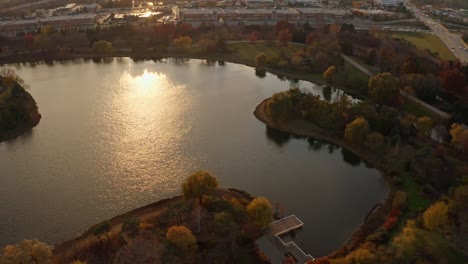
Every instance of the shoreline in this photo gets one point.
(357, 235)
(373, 219)
(31, 58)
(66, 248)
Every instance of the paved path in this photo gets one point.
(433, 109)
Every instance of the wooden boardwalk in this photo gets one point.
(273, 246)
(285, 225)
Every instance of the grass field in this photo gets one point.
(418, 110)
(425, 41)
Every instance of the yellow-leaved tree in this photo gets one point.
(260, 212)
(356, 131)
(436, 217)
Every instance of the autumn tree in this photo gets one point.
(383, 88)
(399, 200)
(224, 223)
(183, 42)
(103, 229)
(356, 131)
(261, 60)
(130, 227)
(453, 80)
(260, 212)
(253, 37)
(182, 237)
(459, 137)
(329, 74)
(28, 251)
(455, 131)
(102, 47)
(279, 107)
(436, 217)
(284, 36)
(198, 184)
(425, 125)
(296, 60)
(375, 140)
(78, 262)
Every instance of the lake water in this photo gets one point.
(118, 135)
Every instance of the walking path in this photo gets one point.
(433, 109)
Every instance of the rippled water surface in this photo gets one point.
(115, 136)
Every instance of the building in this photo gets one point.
(71, 22)
(321, 14)
(389, 2)
(198, 14)
(286, 14)
(14, 28)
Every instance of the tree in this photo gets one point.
(371, 58)
(225, 224)
(183, 42)
(463, 141)
(456, 131)
(329, 74)
(399, 200)
(260, 212)
(296, 60)
(375, 140)
(103, 229)
(260, 60)
(279, 107)
(253, 37)
(182, 238)
(78, 262)
(436, 217)
(102, 47)
(383, 88)
(465, 37)
(424, 125)
(130, 227)
(28, 251)
(356, 131)
(198, 184)
(284, 36)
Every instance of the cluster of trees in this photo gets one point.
(102, 47)
(219, 222)
(17, 107)
(28, 251)
(294, 104)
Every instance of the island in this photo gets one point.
(18, 109)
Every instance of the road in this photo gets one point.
(452, 41)
(29, 5)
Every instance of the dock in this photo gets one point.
(277, 250)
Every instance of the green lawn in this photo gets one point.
(415, 200)
(425, 41)
(418, 110)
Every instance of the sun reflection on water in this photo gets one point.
(148, 114)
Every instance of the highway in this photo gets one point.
(452, 41)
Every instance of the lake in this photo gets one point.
(120, 134)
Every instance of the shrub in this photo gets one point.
(399, 200)
(391, 222)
